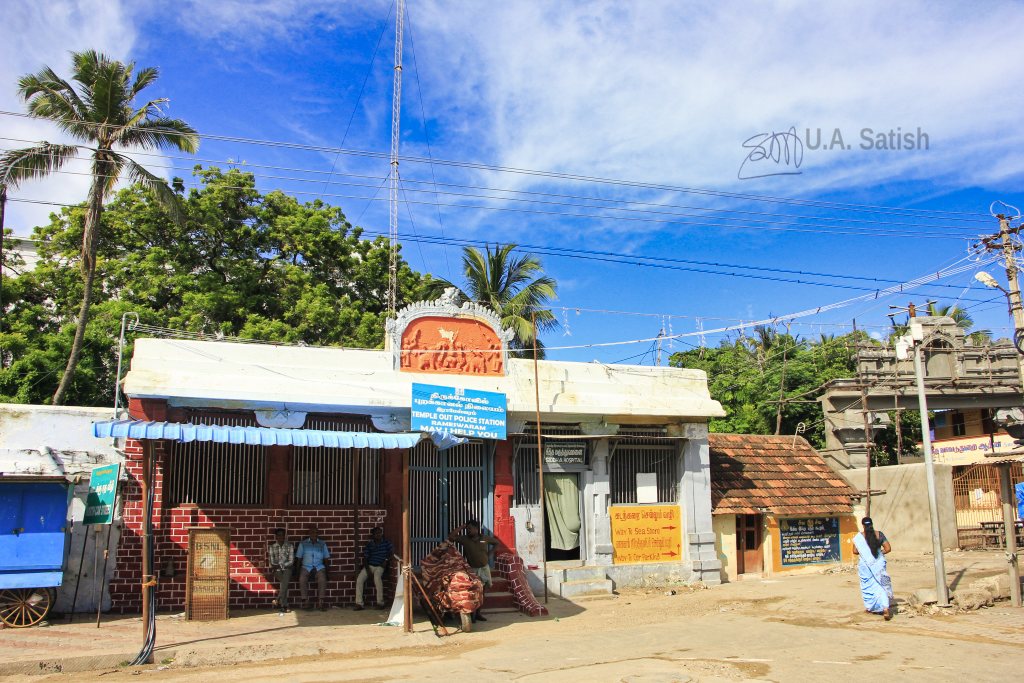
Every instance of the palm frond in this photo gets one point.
(160, 132)
(143, 79)
(18, 165)
(164, 194)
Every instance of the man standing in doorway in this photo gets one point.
(281, 558)
(477, 549)
(376, 558)
(314, 555)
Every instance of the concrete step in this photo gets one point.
(557, 565)
(571, 589)
(593, 573)
(498, 584)
(498, 599)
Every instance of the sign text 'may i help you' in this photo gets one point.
(478, 414)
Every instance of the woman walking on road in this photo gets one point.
(875, 585)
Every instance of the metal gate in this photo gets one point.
(977, 501)
(448, 488)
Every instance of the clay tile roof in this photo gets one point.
(752, 474)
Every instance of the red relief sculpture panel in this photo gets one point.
(451, 346)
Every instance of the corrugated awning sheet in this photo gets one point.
(253, 436)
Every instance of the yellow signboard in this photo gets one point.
(646, 533)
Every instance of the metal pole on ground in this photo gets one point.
(147, 540)
(106, 553)
(1010, 529)
(941, 589)
(540, 459)
(406, 548)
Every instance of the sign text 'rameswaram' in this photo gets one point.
(479, 414)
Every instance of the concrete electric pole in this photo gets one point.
(911, 344)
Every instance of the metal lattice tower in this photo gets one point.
(396, 106)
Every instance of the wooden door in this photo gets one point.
(749, 555)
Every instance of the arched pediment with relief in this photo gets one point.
(444, 337)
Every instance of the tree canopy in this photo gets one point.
(97, 107)
(241, 263)
(769, 383)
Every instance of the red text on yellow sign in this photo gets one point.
(646, 533)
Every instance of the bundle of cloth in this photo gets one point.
(450, 582)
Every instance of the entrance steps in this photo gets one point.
(572, 579)
(497, 597)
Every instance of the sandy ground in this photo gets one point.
(800, 628)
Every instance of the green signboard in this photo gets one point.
(99, 504)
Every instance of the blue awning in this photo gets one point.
(253, 436)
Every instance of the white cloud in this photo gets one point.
(43, 33)
(666, 92)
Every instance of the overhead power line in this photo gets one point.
(774, 226)
(668, 263)
(553, 175)
(249, 166)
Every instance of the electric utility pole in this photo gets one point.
(1003, 241)
(912, 343)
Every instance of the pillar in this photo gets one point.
(504, 525)
(696, 488)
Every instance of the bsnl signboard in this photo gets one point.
(476, 414)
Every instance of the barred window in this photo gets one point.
(525, 466)
(647, 452)
(208, 473)
(336, 476)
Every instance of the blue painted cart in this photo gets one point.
(33, 531)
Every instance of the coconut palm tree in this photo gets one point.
(98, 108)
(512, 286)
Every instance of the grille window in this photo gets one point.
(208, 473)
(645, 452)
(525, 469)
(335, 476)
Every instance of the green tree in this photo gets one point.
(242, 264)
(769, 382)
(512, 286)
(98, 108)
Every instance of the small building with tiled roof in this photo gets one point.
(776, 505)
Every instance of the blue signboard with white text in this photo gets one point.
(477, 414)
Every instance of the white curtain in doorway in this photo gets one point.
(562, 499)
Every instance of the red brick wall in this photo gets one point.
(345, 531)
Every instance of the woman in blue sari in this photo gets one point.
(875, 585)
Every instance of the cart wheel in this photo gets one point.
(22, 607)
(467, 622)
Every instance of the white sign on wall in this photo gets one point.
(646, 487)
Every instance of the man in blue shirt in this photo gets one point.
(313, 554)
(376, 557)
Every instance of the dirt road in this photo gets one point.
(803, 628)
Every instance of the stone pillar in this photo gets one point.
(504, 525)
(696, 504)
(391, 495)
(601, 549)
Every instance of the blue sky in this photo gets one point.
(662, 95)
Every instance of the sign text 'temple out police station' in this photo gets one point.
(479, 414)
